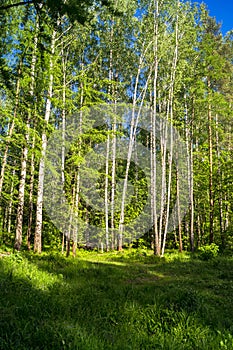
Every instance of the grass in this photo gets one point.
(129, 300)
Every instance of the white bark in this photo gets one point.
(39, 204)
(153, 137)
(31, 189)
(113, 172)
(11, 201)
(133, 127)
(106, 194)
(170, 112)
(20, 209)
(11, 129)
(19, 218)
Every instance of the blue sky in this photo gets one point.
(222, 10)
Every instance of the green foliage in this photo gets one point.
(227, 341)
(101, 301)
(208, 252)
(105, 52)
(141, 243)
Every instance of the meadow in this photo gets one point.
(118, 300)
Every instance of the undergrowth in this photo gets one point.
(116, 300)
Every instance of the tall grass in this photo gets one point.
(128, 300)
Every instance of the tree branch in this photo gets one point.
(5, 7)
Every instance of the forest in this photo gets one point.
(146, 86)
(116, 150)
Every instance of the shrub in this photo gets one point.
(140, 243)
(208, 251)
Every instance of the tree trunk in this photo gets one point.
(211, 195)
(106, 195)
(132, 138)
(189, 150)
(39, 204)
(11, 129)
(113, 173)
(19, 218)
(11, 201)
(191, 188)
(170, 112)
(31, 189)
(220, 194)
(178, 206)
(156, 244)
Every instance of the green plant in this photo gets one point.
(101, 301)
(208, 251)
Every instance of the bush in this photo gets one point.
(140, 243)
(208, 251)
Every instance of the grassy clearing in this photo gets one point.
(129, 300)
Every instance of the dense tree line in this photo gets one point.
(64, 58)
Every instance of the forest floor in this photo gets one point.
(116, 301)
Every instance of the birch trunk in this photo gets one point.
(19, 219)
(106, 195)
(113, 172)
(191, 187)
(72, 209)
(39, 204)
(133, 128)
(106, 202)
(75, 233)
(153, 136)
(220, 195)
(63, 132)
(11, 129)
(211, 195)
(170, 111)
(11, 201)
(189, 153)
(178, 206)
(31, 189)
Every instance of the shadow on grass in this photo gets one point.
(49, 302)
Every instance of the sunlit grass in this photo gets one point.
(116, 300)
